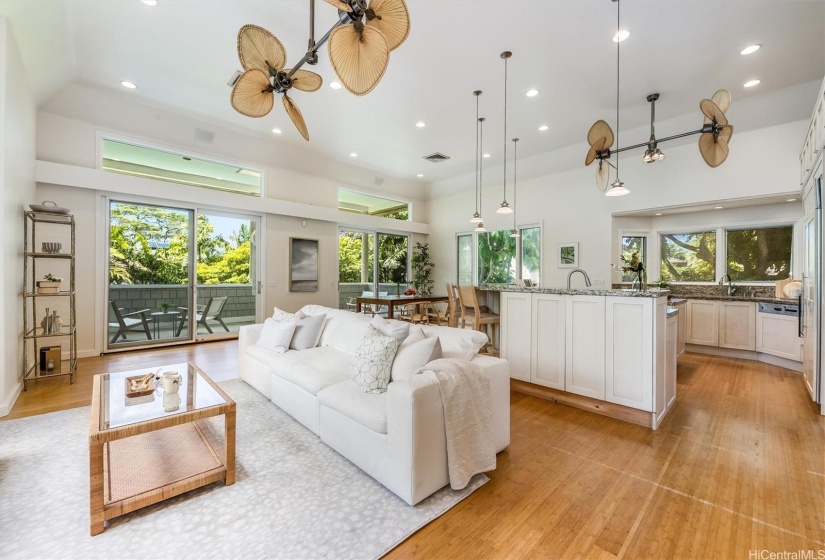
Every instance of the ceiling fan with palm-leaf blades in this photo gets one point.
(359, 46)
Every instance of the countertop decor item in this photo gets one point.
(48, 207)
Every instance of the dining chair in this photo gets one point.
(126, 322)
(414, 312)
(209, 312)
(480, 316)
(452, 305)
(438, 313)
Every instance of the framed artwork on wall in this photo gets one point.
(303, 265)
(567, 255)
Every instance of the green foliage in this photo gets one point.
(422, 269)
(759, 255)
(392, 257)
(531, 254)
(465, 259)
(496, 257)
(689, 257)
(632, 245)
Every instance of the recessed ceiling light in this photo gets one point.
(791, 200)
(751, 83)
(532, 92)
(353, 154)
(658, 213)
(420, 175)
(420, 124)
(750, 49)
(718, 207)
(335, 85)
(150, 2)
(128, 85)
(621, 35)
(543, 127)
(486, 155)
(276, 131)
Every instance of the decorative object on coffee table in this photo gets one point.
(48, 219)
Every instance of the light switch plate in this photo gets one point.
(272, 284)
(598, 281)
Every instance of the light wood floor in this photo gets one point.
(738, 465)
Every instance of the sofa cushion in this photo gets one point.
(279, 362)
(396, 329)
(347, 398)
(318, 370)
(307, 332)
(276, 336)
(412, 357)
(373, 361)
(343, 330)
(457, 343)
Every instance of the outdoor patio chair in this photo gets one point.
(209, 312)
(128, 322)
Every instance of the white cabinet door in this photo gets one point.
(682, 325)
(702, 322)
(516, 319)
(584, 356)
(671, 351)
(548, 341)
(737, 325)
(778, 335)
(629, 352)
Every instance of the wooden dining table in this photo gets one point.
(392, 301)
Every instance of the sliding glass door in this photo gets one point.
(371, 262)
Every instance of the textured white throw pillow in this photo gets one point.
(307, 332)
(276, 336)
(373, 361)
(281, 316)
(396, 329)
(412, 357)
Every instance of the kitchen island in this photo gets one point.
(601, 350)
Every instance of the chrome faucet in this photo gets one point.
(586, 277)
(730, 283)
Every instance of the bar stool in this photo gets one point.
(480, 316)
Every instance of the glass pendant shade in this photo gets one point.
(504, 208)
(476, 219)
(515, 234)
(617, 189)
(658, 155)
(480, 228)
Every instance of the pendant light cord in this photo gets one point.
(618, 74)
(480, 163)
(477, 149)
(515, 180)
(505, 130)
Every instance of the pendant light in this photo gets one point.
(617, 188)
(653, 153)
(476, 219)
(480, 228)
(515, 233)
(505, 207)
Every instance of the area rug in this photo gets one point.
(294, 497)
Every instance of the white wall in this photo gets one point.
(762, 163)
(17, 156)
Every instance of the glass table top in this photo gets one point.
(116, 409)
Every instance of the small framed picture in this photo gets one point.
(568, 255)
(303, 265)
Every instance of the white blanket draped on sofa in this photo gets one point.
(465, 396)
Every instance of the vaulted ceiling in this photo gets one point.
(182, 53)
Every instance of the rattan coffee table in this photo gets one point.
(144, 450)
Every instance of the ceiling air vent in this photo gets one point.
(204, 136)
(436, 157)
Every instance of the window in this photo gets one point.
(531, 254)
(360, 203)
(166, 165)
(689, 257)
(633, 244)
(496, 257)
(465, 258)
(759, 255)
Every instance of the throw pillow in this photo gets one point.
(416, 335)
(276, 336)
(373, 361)
(396, 329)
(281, 316)
(412, 357)
(307, 332)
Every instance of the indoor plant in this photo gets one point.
(422, 269)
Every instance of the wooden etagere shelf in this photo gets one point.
(34, 335)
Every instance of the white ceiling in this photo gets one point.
(182, 53)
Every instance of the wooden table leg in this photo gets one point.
(229, 446)
(97, 522)
(357, 306)
(389, 309)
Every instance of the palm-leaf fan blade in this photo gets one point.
(714, 151)
(713, 112)
(392, 19)
(359, 59)
(258, 48)
(597, 146)
(722, 100)
(305, 80)
(251, 95)
(600, 129)
(343, 6)
(602, 174)
(726, 133)
(296, 116)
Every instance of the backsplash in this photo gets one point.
(688, 290)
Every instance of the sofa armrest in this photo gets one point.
(247, 336)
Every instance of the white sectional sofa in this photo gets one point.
(397, 437)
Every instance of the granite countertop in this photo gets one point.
(671, 311)
(574, 292)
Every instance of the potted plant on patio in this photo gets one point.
(166, 306)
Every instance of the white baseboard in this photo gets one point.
(5, 408)
(745, 355)
(87, 353)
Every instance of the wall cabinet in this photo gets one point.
(702, 322)
(584, 344)
(737, 325)
(778, 335)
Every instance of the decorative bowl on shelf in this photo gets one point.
(49, 207)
